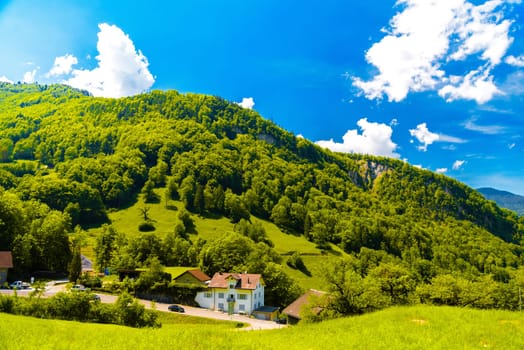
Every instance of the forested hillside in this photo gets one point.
(69, 159)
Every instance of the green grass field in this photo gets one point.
(420, 327)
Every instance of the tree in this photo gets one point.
(235, 207)
(6, 150)
(227, 254)
(12, 219)
(350, 293)
(395, 281)
(281, 290)
(105, 247)
(199, 202)
(148, 191)
(53, 239)
(172, 189)
(185, 218)
(75, 266)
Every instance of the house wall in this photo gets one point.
(189, 279)
(3, 276)
(245, 300)
(204, 301)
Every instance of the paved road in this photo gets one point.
(254, 324)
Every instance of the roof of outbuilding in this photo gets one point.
(267, 308)
(295, 307)
(243, 280)
(199, 275)
(6, 260)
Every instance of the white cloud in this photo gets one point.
(442, 170)
(4, 79)
(426, 137)
(458, 164)
(484, 129)
(482, 30)
(515, 61)
(63, 65)
(247, 103)
(451, 139)
(426, 36)
(375, 139)
(121, 71)
(514, 83)
(29, 77)
(477, 85)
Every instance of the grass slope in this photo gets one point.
(209, 228)
(419, 327)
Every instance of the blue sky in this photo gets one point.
(439, 84)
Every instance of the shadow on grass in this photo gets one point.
(171, 207)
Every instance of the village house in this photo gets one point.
(241, 293)
(307, 300)
(193, 277)
(6, 262)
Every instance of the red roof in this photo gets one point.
(242, 280)
(199, 275)
(295, 307)
(6, 260)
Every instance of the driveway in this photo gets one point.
(254, 324)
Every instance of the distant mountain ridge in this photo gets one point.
(504, 199)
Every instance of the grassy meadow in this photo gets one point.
(209, 228)
(421, 327)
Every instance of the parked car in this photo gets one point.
(78, 288)
(20, 285)
(95, 297)
(176, 308)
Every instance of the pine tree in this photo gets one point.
(75, 266)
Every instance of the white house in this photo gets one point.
(233, 292)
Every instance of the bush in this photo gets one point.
(91, 281)
(146, 226)
(6, 304)
(296, 262)
(81, 306)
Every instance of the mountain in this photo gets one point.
(187, 163)
(504, 199)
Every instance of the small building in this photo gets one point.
(268, 313)
(194, 277)
(293, 310)
(233, 292)
(6, 263)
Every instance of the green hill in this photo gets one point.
(395, 328)
(197, 181)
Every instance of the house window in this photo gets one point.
(208, 295)
(220, 295)
(255, 297)
(221, 306)
(241, 307)
(231, 285)
(242, 296)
